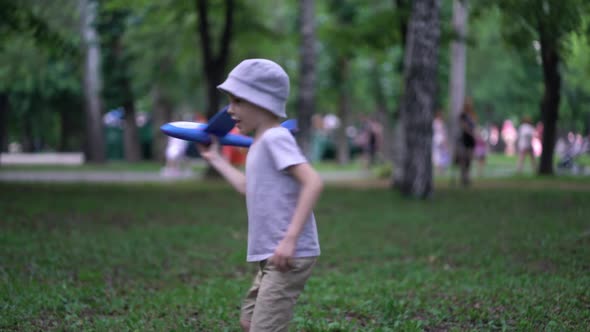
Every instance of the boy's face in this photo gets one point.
(245, 114)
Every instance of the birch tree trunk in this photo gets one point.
(306, 100)
(420, 75)
(457, 75)
(95, 145)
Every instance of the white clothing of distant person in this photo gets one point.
(526, 132)
(175, 148)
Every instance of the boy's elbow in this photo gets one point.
(242, 189)
(319, 183)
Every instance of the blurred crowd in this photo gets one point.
(467, 151)
(474, 141)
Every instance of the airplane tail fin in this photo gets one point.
(290, 124)
(221, 123)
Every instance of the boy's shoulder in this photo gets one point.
(278, 133)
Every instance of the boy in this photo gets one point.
(281, 189)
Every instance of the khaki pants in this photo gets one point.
(269, 302)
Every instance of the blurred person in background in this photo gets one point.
(480, 152)
(509, 136)
(526, 134)
(466, 141)
(440, 145)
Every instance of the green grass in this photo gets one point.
(146, 166)
(497, 165)
(172, 258)
(149, 166)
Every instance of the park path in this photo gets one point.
(141, 177)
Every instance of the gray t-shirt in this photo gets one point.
(272, 195)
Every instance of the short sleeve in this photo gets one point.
(284, 149)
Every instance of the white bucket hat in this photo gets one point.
(262, 82)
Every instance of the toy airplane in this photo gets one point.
(220, 125)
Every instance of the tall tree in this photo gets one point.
(214, 65)
(118, 90)
(169, 74)
(4, 105)
(162, 113)
(342, 46)
(399, 149)
(419, 100)
(382, 45)
(458, 65)
(95, 145)
(546, 23)
(306, 98)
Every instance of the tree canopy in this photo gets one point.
(159, 47)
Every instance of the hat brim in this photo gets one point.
(255, 96)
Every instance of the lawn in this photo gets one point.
(171, 257)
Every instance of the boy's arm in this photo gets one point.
(234, 176)
(311, 187)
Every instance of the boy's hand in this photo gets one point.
(283, 254)
(211, 151)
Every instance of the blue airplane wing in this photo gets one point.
(221, 123)
(189, 131)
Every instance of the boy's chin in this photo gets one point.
(244, 130)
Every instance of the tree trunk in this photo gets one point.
(95, 145)
(420, 74)
(306, 100)
(28, 137)
(162, 114)
(398, 137)
(4, 109)
(342, 146)
(71, 119)
(383, 115)
(551, 98)
(131, 144)
(457, 75)
(214, 65)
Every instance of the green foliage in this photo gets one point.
(25, 18)
(38, 96)
(524, 18)
(562, 24)
(40, 71)
(508, 255)
(40, 61)
(576, 109)
(160, 41)
(502, 81)
(111, 27)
